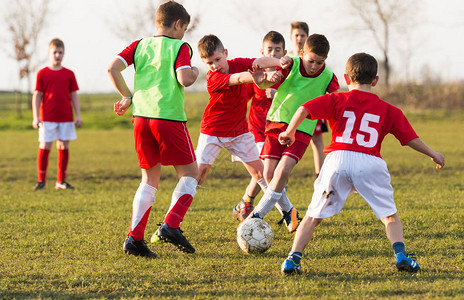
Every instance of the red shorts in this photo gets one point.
(162, 141)
(274, 150)
(321, 127)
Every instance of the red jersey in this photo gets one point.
(225, 114)
(56, 86)
(259, 107)
(359, 121)
(183, 60)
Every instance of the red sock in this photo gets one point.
(42, 163)
(138, 232)
(178, 211)
(62, 164)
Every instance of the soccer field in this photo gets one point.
(68, 244)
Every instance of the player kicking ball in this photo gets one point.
(359, 121)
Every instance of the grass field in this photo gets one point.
(68, 244)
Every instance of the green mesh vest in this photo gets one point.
(157, 93)
(295, 91)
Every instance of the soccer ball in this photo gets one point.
(254, 236)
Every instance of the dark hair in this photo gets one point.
(169, 12)
(318, 44)
(57, 43)
(361, 68)
(300, 25)
(208, 44)
(274, 37)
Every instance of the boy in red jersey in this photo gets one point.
(298, 34)
(302, 78)
(224, 124)
(53, 101)
(359, 121)
(162, 70)
(273, 46)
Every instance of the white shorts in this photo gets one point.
(51, 131)
(242, 146)
(344, 172)
(259, 146)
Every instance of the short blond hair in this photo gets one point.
(57, 43)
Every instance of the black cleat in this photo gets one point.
(63, 185)
(39, 186)
(137, 248)
(174, 236)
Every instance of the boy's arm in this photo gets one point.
(288, 136)
(418, 145)
(240, 78)
(114, 71)
(77, 108)
(36, 101)
(187, 76)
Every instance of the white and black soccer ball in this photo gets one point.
(254, 236)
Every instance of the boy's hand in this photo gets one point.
(122, 106)
(78, 122)
(439, 159)
(36, 123)
(270, 93)
(286, 138)
(286, 62)
(258, 75)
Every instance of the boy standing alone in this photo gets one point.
(54, 99)
(162, 70)
(359, 121)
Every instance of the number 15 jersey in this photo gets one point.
(359, 121)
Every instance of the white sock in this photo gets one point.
(143, 200)
(262, 183)
(267, 202)
(284, 204)
(186, 185)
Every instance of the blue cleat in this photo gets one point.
(289, 267)
(407, 263)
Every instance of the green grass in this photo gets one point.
(68, 244)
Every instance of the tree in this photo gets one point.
(140, 22)
(382, 18)
(25, 20)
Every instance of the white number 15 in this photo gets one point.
(364, 127)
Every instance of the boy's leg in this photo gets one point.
(141, 207)
(394, 229)
(317, 144)
(182, 197)
(203, 170)
(62, 164)
(42, 164)
(208, 149)
(257, 183)
(303, 235)
(274, 191)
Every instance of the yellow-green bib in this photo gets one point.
(157, 93)
(295, 91)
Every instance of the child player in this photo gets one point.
(53, 102)
(303, 78)
(224, 124)
(298, 34)
(359, 121)
(162, 70)
(273, 46)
